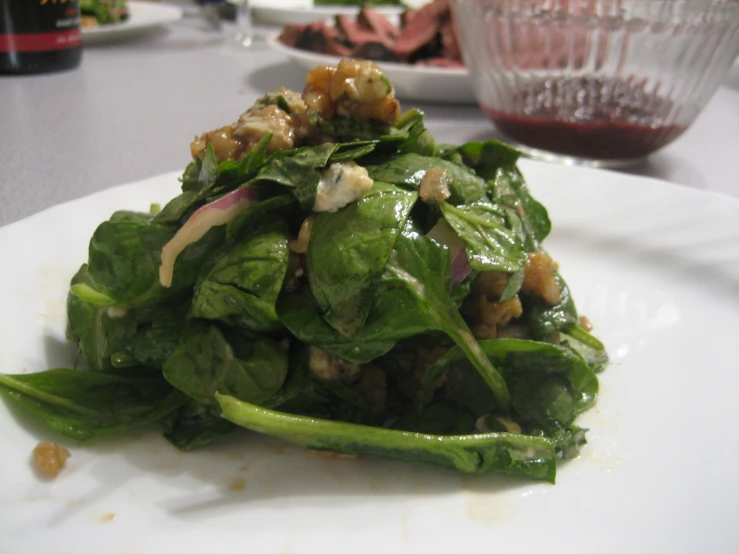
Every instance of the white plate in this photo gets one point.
(412, 82)
(143, 16)
(654, 266)
(284, 12)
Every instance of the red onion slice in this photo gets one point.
(443, 233)
(218, 212)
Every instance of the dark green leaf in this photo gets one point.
(83, 405)
(276, 207)
(298, 170)
(417, 266)
(352, 151)
(510, 189)
(543, 319)
(206, 362)
(348, 250)
(97, 334)
(587, 346)
(159, 332)
(441, 418)
(125, 255)
(242, 285)
(549, 384)
(519, 455)
(197, 424)
(407, 170)
(490, 245)
(488, 157)
(348, 130)
(302, 315)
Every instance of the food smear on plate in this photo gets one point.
(94, 13)
(425, 36)
(332, 276)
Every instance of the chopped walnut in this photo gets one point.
(355, 89)
(256, 123)
(317, 92)
(50, 458)
(490, 284)
(275, 113)
(487, 317)
(585, 323)
(434, 187)
(224, 145)
(539, 277)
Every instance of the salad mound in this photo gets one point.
(332, 276)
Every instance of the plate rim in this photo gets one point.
(281, 15)
(168, 14)
(272, 39)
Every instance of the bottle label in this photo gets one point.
(39, 25)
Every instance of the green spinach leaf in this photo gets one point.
(83, 405)
(196, 424)
(348, 251)
(407, 171)
(490, 245)
(488, 157)
(298, 170)
(511, 190)
(208, 360)
(417, 266)
(243, 283)
(302, 315)
(97, 334)
(125, 255)
(543, 319)
(159, 331)
(525, 456)
(549, 384)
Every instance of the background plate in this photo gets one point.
(412, 82)
(144, 16)
(654, 266)
(270, 12)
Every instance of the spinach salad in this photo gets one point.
(332, 276)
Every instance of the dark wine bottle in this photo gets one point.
(38, 36)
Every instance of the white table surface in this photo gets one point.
(131, 109)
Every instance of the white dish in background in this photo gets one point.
(266, 12)
(654, 266)
(417, 83)
(283, 12)
(143, 16)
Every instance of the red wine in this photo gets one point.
(37, 36)
(588, 118)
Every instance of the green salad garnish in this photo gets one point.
(103, 12)
(332, 276)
